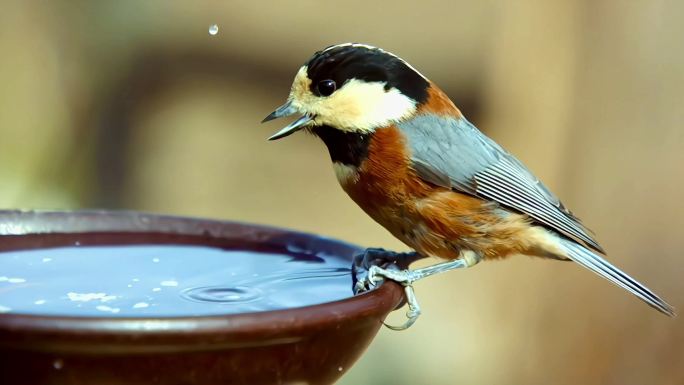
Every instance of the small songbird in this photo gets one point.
(407, 156)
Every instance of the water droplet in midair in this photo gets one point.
(58, 364)
(213, 29)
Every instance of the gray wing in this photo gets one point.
(453, 153)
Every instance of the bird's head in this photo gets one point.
(352, 88)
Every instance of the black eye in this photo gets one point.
(326, 87)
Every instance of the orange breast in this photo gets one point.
(431, 219)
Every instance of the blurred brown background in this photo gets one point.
(132, 104)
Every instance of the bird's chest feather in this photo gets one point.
(374, 170)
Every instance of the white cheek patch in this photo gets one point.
(356, 106)
(361, 106)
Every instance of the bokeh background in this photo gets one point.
(133, 105)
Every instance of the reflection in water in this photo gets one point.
(164, 280)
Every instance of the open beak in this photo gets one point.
(288, 109)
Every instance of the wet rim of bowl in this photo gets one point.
(274, 325)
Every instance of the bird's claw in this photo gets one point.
(374, 259)
(412, 313)
(378, 274)
(374, 266)
(368, 279)
(362, 265)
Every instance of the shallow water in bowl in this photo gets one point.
(165, 280)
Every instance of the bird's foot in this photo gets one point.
(375, 265)
(404, 277)
(368, 274)
(378, 258)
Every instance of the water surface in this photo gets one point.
(165, 280)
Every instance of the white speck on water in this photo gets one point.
(135, 280)
(85, 297)
(141, 305)
(107, 308)
(169, 283)
(213, 29)
(5, 309)
(16, 280)
(58, 364)
(47, 259)
(129, 285)
(155, 260)
(157, 289)
(40, 302)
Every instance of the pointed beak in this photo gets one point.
(285, 110)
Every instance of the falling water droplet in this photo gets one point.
(213, 29)
(58, 364)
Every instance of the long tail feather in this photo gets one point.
(600, 266)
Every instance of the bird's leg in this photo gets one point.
(374, 257)
(406, 277)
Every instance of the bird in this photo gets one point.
(403, 151)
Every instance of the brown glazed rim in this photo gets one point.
(180, 333)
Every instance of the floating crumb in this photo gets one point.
(157, 289)
(168, 283)
(155, 260)
(40, 302)
(141, 305)
(47, 259)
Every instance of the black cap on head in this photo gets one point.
(354, 61)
